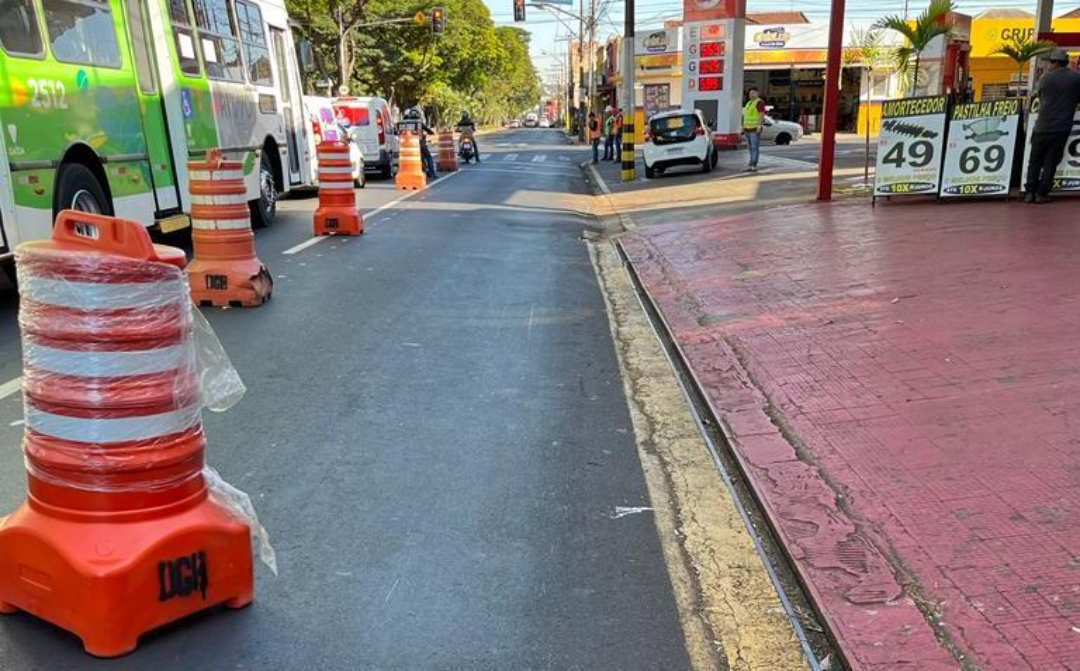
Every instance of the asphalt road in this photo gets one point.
(437, 439)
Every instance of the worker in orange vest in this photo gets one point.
(594, 136)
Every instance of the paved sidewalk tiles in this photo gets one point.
(902, 388)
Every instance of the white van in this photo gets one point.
(370, 123)
(321, 118)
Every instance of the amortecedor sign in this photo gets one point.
(980, 149)
(910, 147)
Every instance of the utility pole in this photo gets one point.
(592, 54)
(629, 104)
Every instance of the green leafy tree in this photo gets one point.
(927, 27)
(1022, 50)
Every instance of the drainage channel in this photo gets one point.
(817, 645)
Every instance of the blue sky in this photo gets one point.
(546, 29)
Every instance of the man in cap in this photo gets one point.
(1058, 91)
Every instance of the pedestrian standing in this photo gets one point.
(593, 125)
(1058, 92)
(609, 139)
(616, 140)
(753, 117)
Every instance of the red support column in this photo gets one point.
(832, 101)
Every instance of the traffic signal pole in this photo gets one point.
(832, 101)
(629, 99)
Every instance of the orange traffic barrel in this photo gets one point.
(118, 535)
(410, 175)
(225, 272)
(337, 213)
(447, 156)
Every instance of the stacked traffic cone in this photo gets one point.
(447, 155)
(118, 535)
(337, 213)
(410, 175)
(225, 270)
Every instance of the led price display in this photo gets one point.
(712, 49)
(709, 84)
(711, 67)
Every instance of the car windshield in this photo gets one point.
(356, 116)
(674, 128)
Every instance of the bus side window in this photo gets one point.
(185, 38)
(217, 38)
(19, 32)
(254, 38)
(82, 32)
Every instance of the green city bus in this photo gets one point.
(103, 102)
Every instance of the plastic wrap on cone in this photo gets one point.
(119, 534)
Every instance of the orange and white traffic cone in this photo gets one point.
(410, 175)
(118, 535)
(447, 155)
(225, 272)
(337, 213)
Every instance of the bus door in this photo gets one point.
(289, 101)
(152, 108)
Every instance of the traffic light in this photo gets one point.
(438, 20)
(519, 10)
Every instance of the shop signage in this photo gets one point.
(655, 43)
(910, 146)
(657, 99)
(1067, 178)
(771, 38)
(980, 149)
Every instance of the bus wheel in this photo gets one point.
(264, 209)
(78, 189)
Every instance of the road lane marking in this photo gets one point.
(539, 158)
(311, 242)
(10, 387)
(510, 157)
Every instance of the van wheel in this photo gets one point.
(78, 189)
(264, 209)
(783, 138)
(387, 171)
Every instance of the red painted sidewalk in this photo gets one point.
(902, 387)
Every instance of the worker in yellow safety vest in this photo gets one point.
(753, 117)
(594, 136)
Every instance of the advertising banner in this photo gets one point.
(980, 149)
(1067, 178)
(910, 146)
(657, 99)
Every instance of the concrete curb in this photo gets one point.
(615, 221)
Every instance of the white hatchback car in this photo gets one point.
(678, 138)
(778, 131)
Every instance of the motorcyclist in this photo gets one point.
(414, 121)
(467, 128)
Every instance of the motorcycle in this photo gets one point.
(466, 149)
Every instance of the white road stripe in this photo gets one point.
(510, 157)
(539, 158)
(367, 215)
(10, 387)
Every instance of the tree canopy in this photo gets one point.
(473, 65)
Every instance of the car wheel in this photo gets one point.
(387, 171)
(264, 209)
(783, 138)
(78, 189)
(715, 158)
(649, 172)
(707, 164)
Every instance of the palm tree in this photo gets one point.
(1021, 50)
(930, 25)
(870, 51)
